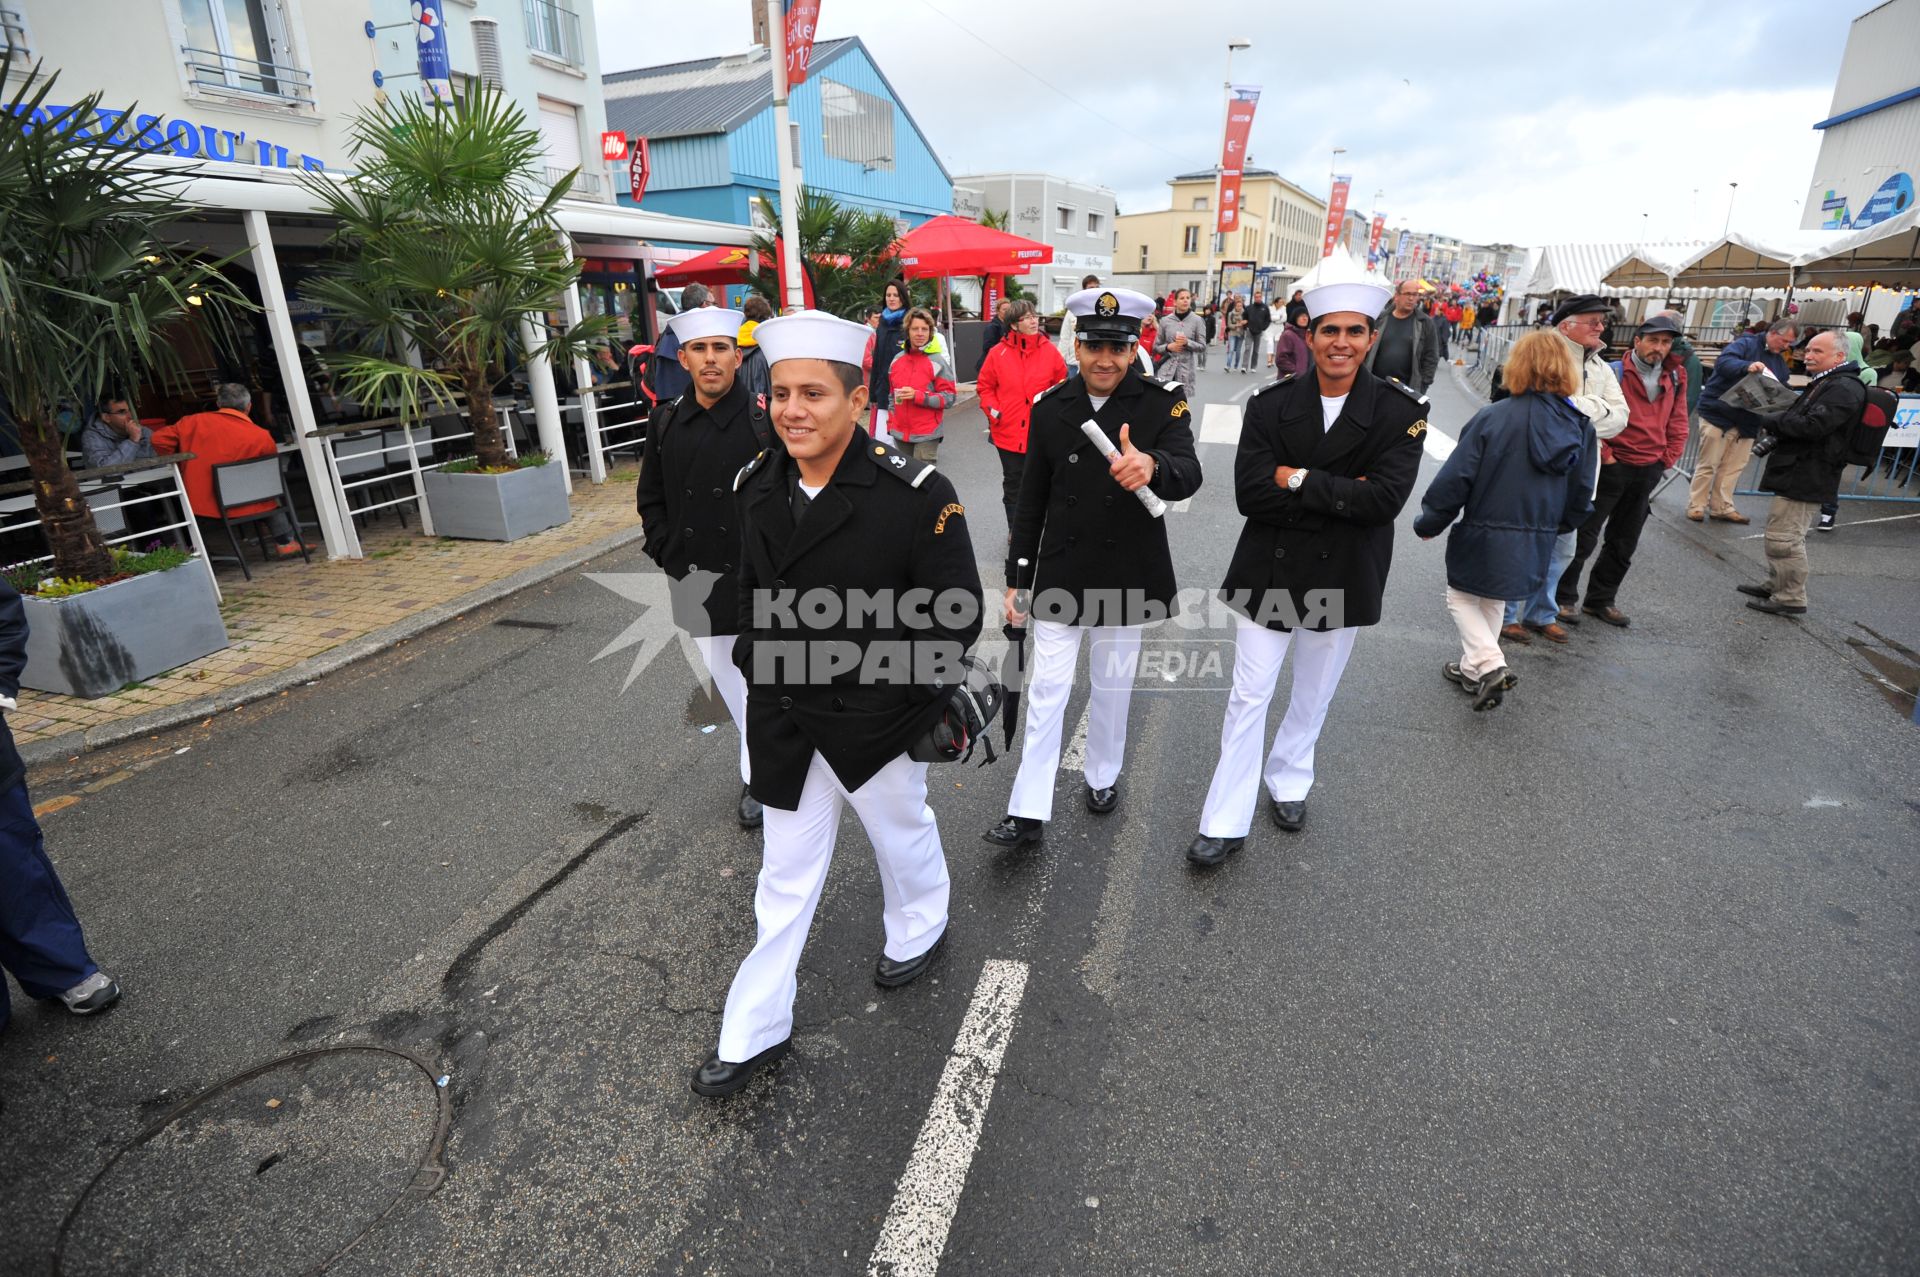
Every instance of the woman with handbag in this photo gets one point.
(923, 389)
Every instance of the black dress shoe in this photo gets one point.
(889, 974)
(1776, 609)
(1102, 801)
(1211, 851)
(1757, 591)
(1015, 831)
(1289, 816)
(717, 1077)
(752, 814)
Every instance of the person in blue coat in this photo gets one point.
(1518, 479)
(40, 941)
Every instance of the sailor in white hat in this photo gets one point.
(695, 445)
(1326, 461)
(837, 693)
(1094, 557)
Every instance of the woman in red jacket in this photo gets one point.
(1020, 367)
(921, 381)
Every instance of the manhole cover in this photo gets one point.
(277, 1170)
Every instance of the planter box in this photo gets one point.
(95, 643)
(497, 507)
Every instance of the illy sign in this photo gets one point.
(613, 146)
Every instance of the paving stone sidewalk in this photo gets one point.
(291, 613)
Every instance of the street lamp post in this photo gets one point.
(1733, 189)
(1219, 173)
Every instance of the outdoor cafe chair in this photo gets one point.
(238, 483)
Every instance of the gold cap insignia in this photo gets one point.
(1106, 306)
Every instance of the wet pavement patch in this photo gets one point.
(277, 1171)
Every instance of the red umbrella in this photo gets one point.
(715, 266)
(950, 245)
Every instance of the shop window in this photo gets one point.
(858, 126)
(244, 45)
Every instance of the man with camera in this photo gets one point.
(1806, 449)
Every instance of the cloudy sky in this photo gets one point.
(1492, 120)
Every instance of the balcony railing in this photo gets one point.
(250, 75)
(584, 183)
(553, 30)
(13, 32)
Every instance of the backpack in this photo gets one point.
(1869, 434)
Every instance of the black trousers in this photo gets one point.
(1011, 466)
(1620, 510)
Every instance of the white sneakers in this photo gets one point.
(95, 993)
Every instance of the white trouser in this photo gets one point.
(892, 807)
(1478, 621)
(1319, 658)
(1056, 653)
(717, 651)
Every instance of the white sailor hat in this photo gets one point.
(813, 334)
(1108, 314)
(1339, 283)
(706, 321)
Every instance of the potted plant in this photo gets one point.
(88, 292)
(445, 244)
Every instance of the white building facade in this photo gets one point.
(276, 83)
(1870, 140)
(1074, 218)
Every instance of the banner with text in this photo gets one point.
(803, 19)
(1233, 153)
(1336, 214)
(1373, 239)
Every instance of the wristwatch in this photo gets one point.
(1295, 479)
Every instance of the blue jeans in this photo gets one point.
(1233, 350)
(1541, 609)
(40, 941)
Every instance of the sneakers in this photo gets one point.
(95, 993)
(1826, 522)
(1491, 689)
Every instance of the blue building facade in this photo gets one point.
(709, 125)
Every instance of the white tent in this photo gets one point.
(1884, 256)
(1580, 268)
(1738, 260)
(1649, 265)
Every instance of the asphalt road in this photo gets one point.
(1615, 979)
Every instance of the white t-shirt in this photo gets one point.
(1330, 411)
(1098, 401)
(812, 491)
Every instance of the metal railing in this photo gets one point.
(584, 182)
(252, 75)
(357, 461)
(617, 422)
(553, 29)
(105, 495)
(13, 33)
(1893, 476)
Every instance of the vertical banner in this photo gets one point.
(436, 68)
(803, 18)
(1373, 239)
(1419, 258)
(1336, 214)
(1233, 153)
(990, 297)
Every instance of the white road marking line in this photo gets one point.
(1852, 523)
(1221, 424)
(1438, 444)
(1074, 756)
(928, 1194)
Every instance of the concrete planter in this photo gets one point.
(95, 643)
(497, 507)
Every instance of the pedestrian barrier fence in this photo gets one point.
(1894, 474)
(613, 417)
(111, 491)
(379, 455)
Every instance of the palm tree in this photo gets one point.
(446, 242)
(88, 291)
(1001, 221)
(846, 252)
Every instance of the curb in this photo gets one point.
(71, 744)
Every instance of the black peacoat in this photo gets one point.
(891, 528)
(685, 498)
(1336, 532)
(1097, 555)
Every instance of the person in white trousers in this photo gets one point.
(1326, 461)
(1105, 567)
(836, 698)
(695, 446)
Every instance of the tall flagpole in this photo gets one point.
(784, 159)
(1208, 292)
